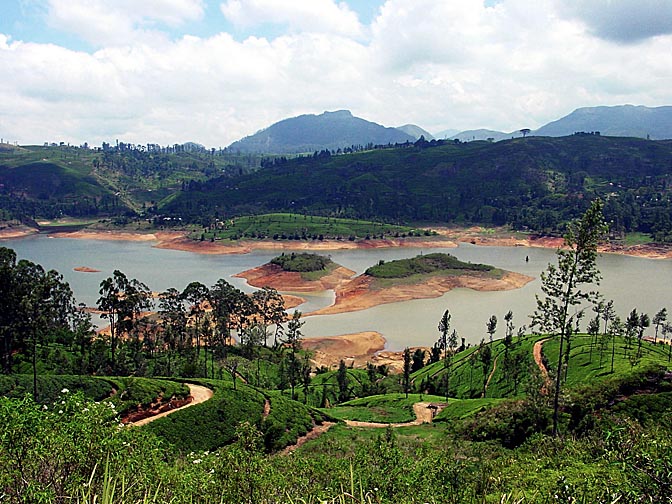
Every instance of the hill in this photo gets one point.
(623, 121)
(416, 131)
(484, 134)
(327, 131)
(534, 183)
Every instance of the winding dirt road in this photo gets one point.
(199, 395)
(422, 415)
(536, 351)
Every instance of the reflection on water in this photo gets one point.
(630, 282)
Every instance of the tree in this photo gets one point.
(644, 322)
(8, 303)
(485, 356)
(342, 380)
(417, 360)
(121, 301)
(270, 310)
(292, 340)
(658, 320)
(197, 296)
(525, 132)
(174, 317)
(442, 344)
(491, 326)
(407, 370)
(563, 286)
(225, 300)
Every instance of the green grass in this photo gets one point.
(637, 239)
(423, 265)
(287, 226)
(459, 409)
(302, 262)
(388, 408)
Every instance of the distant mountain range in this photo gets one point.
(340, 129)
(327, 131)
(624, 121)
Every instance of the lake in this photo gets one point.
(645, 284)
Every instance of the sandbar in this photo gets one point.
(361, 293)
(355, 350)
(12, 232)
(86, 269)
(272, 275)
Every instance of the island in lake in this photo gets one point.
(421, 277)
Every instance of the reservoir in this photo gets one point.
(645, 284)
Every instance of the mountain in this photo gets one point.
(484, 134)
(415, 131)
(447, 133)
(624, 121)
(327, 131)
(536, 183)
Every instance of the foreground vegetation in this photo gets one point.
(559, 416)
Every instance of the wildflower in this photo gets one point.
(64, 391)
(60, 411)
(44, 407)
(197, 461)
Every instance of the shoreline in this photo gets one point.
(356, 350)
(448, 238)
(272, 275)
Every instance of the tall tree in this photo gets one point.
(121, 301)
(442, 344)
(270, 310)
(8, 311)
(491, 326)
(563, 286)
(407, 371)
(485, 356)
(174, 317)
(342, 381)
(658, 320)
(292, 340)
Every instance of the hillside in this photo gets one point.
(535, 183)
(416, 131)
(327, 131)
(56, 181)
(623, 121)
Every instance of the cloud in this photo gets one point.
(102, 22)
(623, 21)
(459, 64)
(300, 15)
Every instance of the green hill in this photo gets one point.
(535, 183)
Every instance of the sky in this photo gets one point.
(214, 71)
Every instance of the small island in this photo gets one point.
(421, 277)
(298, 272)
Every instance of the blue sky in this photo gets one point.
(212, 71)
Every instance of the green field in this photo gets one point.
(287, 226)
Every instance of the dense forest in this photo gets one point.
(533, 183)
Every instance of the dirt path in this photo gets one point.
(316, 432)
(487, 383)
(422, 415)
(199, 395)
(536, 351)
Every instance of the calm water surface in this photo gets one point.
(631, 282)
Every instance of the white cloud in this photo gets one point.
(456, 64)
(299, 15)
(102, 22)
(624, 21)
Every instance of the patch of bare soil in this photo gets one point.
(198, 395)
(315, 432)
(11, 232)
(424, 413)
(538, 359)
(360, 294)
(272, 275)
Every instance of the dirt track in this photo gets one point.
(199, 395)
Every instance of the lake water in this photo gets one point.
(631, 282)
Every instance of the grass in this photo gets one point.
(387, 408)
(287, 226)
(424, 264)
(459, 409)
